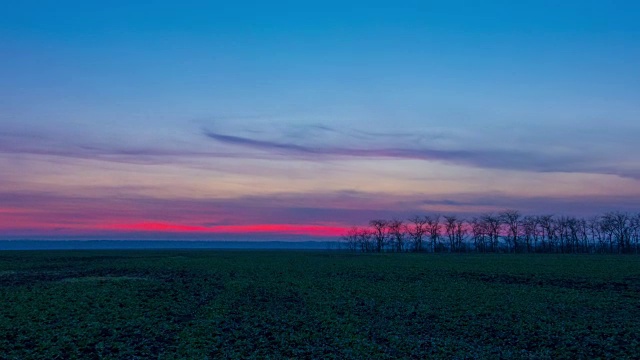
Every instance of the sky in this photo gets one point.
(270, 119)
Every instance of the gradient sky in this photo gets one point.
(257, 119)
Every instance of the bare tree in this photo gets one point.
(562, 232)
(493, 225)
(573, 239)
(511, 218)
(380, 234)
(351, 238)
(635, 236)
(433, 227)
(546, 223)
(450, 230)
(365, 242)
(479, 234)
(416, 228)
(583, 235)
(396, 233)
(619, 226)
(530, 232)
(596, 233)
(461, 233)
(606, 225)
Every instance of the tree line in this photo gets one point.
(508, 231)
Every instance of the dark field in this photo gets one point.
(223, 304)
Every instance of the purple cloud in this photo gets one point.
(483, 158)
(313, 144)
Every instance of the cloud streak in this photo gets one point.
(52, 147)
(316, 143)
(512, 159)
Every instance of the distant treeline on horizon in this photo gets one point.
(506, 232)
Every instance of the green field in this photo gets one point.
(279, 304)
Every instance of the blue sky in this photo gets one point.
(531, 104)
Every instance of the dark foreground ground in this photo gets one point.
(221, 304)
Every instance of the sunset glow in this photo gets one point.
(310, 230)
(305, 120)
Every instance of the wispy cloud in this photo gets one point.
(78, 148)
(317, 143)
(259, 144)
(511, 159)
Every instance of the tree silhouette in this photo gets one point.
(511, 218)
(380, 233)
(396, 231)
(450, 229)
(416, 228)
(433, 228)
(612, 232)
